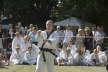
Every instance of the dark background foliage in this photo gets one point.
(38, 11)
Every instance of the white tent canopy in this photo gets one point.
(73, 21)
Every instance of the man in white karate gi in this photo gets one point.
(47, 46)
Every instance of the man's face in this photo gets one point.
(49, 25)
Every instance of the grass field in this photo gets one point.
(31, 68)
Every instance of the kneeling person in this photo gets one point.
(16, 56)
(29, 56)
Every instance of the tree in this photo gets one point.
(29, 11)
(93, 11)
(38, 11)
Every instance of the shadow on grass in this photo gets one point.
(4, 67)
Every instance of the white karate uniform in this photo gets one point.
(79, 59)
(73, 49)
(70, 59)
(61, 56)
(76, 58)
(35, 50)
(87, 59)
(58, 50)
(98, 37)
(103, 59)
(49, 57)
(17, 41)
(29, 57)
(25, 45)
(16, 58)
(68, 34)
(94, 57)
(60, 35)
(64, 56)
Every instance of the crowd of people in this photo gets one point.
(20, 45)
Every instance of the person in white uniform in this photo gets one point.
(79, 55)
(18, 40)
(29, 56)
(62, 57)
(48, 45)
(68, 35)
(16, 56)
(103, 58)
(99, 36)
(80, 37)
(25, 44)
(60, 35)
(65, 58)
(95, 57)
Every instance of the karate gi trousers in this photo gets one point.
(41, 64)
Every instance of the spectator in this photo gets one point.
(79, 55)
(16, 57)
(32, 35)
(17, 29)
(88, 39)
(18, 40)
(29, 56)
(60, 35)
(25, 44)
(99, 34)
(21, 28)
(30, 28)
(95, 57)
(80, 37)
(103, 58)
(68, 35)
(1, 35)
(65, 57)
(3, 61)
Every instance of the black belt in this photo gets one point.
(47, 50)
(35, 43)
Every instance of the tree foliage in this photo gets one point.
(38, 11)
(93, 11)
(28, 11)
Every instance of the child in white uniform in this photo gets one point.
(95, 57)
(29, 56)
(79, 55)
(16, 56)
(103, 58)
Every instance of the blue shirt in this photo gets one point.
(32, 37)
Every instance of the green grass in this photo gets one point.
(31, 68)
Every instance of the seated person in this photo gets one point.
(103, 58)
(79, 55)
(3, 62)
(95, 57)
(16, 57)
(29, 56)
(65, 57)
